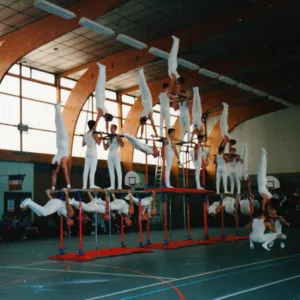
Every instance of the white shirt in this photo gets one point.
(90, 144)
(221, 163)
(169, 149)
(258, 227)
(113, 146)
(164, 100)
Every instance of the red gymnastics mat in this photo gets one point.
(101, 253)
(178, 190)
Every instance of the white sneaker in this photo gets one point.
(169, 186)
(282, 245)
(252, 247)
(271, 244)
(200, 188)
(25, 203)
(119, 188)
(111, 188)
(95, 187)
(265, 246)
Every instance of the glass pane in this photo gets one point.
(42, 76)
(156, 118)
(173, 120)
(25, 71)
(10, 85)
(125, 110)
(39, 142)
(39, 115)
(113, 108)
(174, 112)
(68, 83)
(102, 154)
(64, 94)
(81, 125)
(156, 107)
(88, 104)
(15, 69)
(12, 138)
(39, 91)
(138, 157)
(78, 150)
(9, 109)
(128, 99)
(111, 95)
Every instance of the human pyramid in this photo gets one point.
(173, 95)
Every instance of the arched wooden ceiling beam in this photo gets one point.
(32, 36)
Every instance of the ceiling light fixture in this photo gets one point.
(245, 87)
(85, 22)
(131, 41)
(187, 64)
(228, 80)
(54, 9)
(260, 93)
(209, 73)
(159, 53)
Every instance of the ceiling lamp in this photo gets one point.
(184, 63)
(227, 80)
(208, 73)
(54, 9)
(159, 53)
(131, 41)
(260, 93)
(85, 22)
(245, 87)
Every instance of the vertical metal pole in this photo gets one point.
(109, 222)
(80, 250)
(170, 217)
(184, 213)
(96, 230)
(205, 201)
(164, 198)
(222, 218)
(122, 244)
(140, 224)
(189, 236)
(237, 202)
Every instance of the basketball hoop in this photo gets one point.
(132, 179)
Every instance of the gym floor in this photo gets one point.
(218, 271)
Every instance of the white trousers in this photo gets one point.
(169, 161)
(184, 122)
(138, 145)
(51, 207)
(262, 174)
(224, 121)
(197, 110)
(266, 238)
(234, 178)
(90, 207)
(245, 207)
(172, 60)
(221, 173)
(198, 165)
(244, 165)
(164, 116)
(90, 166)
(62, 138)
(113, 162)
(145, 93)
(100, 88)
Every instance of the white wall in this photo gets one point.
(15, 168)
(279, 134)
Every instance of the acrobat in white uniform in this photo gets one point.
(258, 234)
(95, 205)
(52, 206)
(202, 155)
(91, 159)
(244, 165)
(197, 111)
(169, 154)
(172, 60)
(234, 175)
(164, 111)
(62, 145)
(145, 94)
(245, 206)
(228, 204)
(113, 162)
(141, 146)
(224, 122)
(146, 203)
(184, 119)
(221, 173)
(262, 178)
